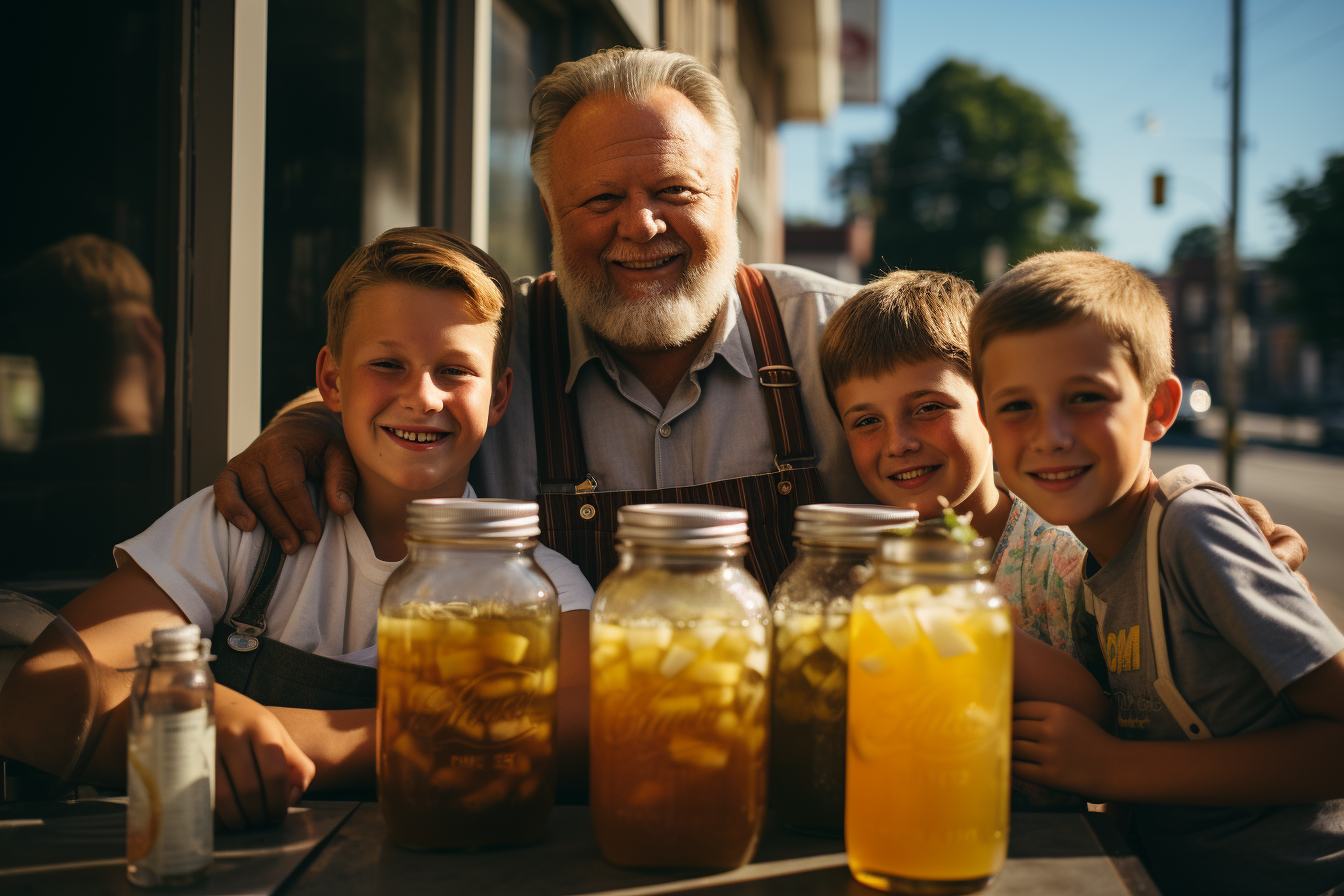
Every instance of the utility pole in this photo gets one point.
(1229, 275)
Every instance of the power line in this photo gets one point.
(1306, 51)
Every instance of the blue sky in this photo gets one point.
(1111, 67)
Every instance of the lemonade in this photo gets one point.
(466, 721)
(930, 699)
(678, 724)
(807, 730)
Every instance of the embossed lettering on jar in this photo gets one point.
(679, 700)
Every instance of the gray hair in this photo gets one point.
(630, 74)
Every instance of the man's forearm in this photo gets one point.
(340, 742)
(1294, 763)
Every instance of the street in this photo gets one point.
(1302, 490)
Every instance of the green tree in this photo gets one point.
(1310, 264)
(976, 161)
(1200, 241)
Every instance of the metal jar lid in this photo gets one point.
(469, 518)
(849, 524)
(697, 525)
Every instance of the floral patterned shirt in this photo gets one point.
(1038, 568)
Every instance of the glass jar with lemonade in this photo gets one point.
(678, 713)
(468, 630)
(930, 710)
(811, 605)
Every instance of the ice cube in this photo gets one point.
(645, 660)
(733, 646)
(815, 669)
(898, 624)
(449, 778)
(470, 728)
(429, 699)
(677, 659)
(508, 729)
(407, 747)
(755, 738)
(720, 696)
(608, 634)
(604, 655)
(507, 647)
(758, 658)
(613, 678)
(710, 672)
(528, 786)
(837, 642)
(709, 633)
(998, 623)
(487, 796)
(643, 636)
(914, 593)
(550, 679)
(801, 649)
(696, 753)
(940, 624)
(756, 634)
(727, 724)
(455, 662)
(875, 664)
(682, 705)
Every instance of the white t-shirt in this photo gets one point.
(326, 600)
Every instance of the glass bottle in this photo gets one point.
(930, 710)
(679, 705)
(170, 758)
(468, 637)
(811, 604)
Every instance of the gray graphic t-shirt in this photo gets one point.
(1240, 627)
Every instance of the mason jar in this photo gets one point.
(811, 604)
(678, 694)
(930, 711)
(468, 631)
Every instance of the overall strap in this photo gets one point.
(776, 374)
(249, 620)
(1169, 487)
(560, 460)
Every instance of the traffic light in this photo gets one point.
(1159, 189)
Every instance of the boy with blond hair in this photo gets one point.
(415, 365)
(1227, 680)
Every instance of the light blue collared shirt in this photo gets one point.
(713, 427)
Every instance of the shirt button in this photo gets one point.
(665, 430)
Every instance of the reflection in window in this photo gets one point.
(519, 238)
(88, 287)
(342, 162)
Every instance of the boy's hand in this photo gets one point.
(268, 477)
(260, 772)
(1060, 748)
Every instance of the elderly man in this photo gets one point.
(650, 366)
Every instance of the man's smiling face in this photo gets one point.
(642, 205)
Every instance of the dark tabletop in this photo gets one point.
(73, 847)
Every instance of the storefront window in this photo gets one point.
(88, 299)
(521, 47)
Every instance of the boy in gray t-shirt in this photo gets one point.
(1227, 680)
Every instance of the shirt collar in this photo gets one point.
(728, 337)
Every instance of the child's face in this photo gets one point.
(414, 386)
(1070, 423)
(915, 434)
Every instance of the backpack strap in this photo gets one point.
(1170, 487)
(249, 620)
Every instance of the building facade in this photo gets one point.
(239, 150)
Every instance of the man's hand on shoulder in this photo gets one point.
(1285, 542)
(267, 480)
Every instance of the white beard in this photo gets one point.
(653, 317)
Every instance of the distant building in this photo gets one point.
(839, 252)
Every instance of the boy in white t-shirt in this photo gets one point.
(415, 364)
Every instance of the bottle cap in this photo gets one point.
(470, 518)
(178, 644)
(697, 525)
(849, 524)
